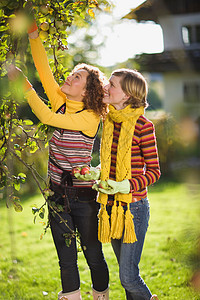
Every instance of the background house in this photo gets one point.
(179, 63)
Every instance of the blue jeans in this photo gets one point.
(128, 255)
(80, 212)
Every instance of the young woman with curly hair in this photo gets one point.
(75, 112)
(94, 93)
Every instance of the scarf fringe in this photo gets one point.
(113, 219)
(104, 226)
(129, 230)
(119, 223)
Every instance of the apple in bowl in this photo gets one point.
(85, 170)
(76, 170)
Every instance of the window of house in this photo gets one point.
(198, 34)
(191, 34)
(191, 92)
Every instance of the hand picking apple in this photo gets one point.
(86, 173)
(112, 187)
(17, 76)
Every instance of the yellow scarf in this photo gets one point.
(119, 222)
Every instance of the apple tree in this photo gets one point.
(18, 137)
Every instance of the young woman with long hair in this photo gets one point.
(129, 163)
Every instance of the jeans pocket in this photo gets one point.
(140, 210)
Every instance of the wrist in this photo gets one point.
(33, 28)
(27, 85)
(33, 35)
(126, 187)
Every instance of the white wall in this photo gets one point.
(171, 26)
(173, 94)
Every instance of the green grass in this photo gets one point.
(29, 267)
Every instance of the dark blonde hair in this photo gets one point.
(94, 91)
(133, 85)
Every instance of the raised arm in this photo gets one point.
(85, 121)
(51, 87)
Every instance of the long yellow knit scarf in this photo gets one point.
(119, 222)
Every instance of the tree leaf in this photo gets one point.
(17, 186)
(17, 206)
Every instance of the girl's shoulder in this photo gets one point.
(142, 120)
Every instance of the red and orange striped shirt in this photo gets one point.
(145, 167)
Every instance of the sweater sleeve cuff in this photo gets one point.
(27, 85)
(33, 27)
(131, 186)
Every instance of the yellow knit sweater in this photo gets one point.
(85, 121)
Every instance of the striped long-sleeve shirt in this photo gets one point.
(69, 149)
(145, 168)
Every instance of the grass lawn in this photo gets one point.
(29, 267)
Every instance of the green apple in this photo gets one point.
(52, 30)
(60, 25)
(103, 185)
(44, 26)
(43, 35)
(44, 9)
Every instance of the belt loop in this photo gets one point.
(66, 177)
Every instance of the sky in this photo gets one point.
(126, 38)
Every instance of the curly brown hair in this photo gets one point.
(94, 92)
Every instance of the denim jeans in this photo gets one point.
(128, 255)
(81, 214)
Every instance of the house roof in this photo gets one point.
(152, 10)
(170, 61)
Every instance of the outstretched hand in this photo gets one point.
(15, 74)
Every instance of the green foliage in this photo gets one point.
(30, 267)
(176, 145)
(166, 133)
(154, 100)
